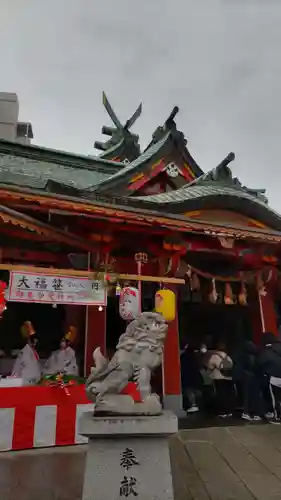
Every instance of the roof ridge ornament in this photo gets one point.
(119, 131)
(169, 124)
(110, 111)
(228, 159)
(172, 115)
(222, 172)
(223, 175)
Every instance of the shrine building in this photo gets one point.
(127, 217)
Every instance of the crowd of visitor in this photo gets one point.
(245, 381)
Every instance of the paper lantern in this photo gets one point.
(165, 304)
(129, 303)
(194, 283)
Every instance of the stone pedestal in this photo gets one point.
(174, 403)
(128, 457)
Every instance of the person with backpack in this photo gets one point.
(220, 368)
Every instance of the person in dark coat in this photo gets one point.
(253, 401)
(270, 365)
(239, 358)
(270, 356)
(191, 378)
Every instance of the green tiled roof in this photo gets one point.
(211, 194)
(33, 167)
(29, 172)
(190, 192)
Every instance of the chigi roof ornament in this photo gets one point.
(120, 131)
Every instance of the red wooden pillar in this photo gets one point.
(172, 395)
(95, 334)
(74, 315)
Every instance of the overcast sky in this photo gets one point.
(218, 60)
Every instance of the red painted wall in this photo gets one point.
(95, 335)
(75, 315)
(171, 365)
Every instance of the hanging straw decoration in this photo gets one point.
(213, 295)
(242, 296)
(194, 283)
(188, 272)
(228, 295)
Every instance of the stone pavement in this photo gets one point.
(223, 463)
(50, 474)
(227, 463)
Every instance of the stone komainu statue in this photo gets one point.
(138, 353)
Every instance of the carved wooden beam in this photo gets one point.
(91, 274)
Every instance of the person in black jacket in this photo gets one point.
(253, 402)
(239, 358)
(270, 365)
(191, 378)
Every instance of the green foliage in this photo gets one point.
(66, 379)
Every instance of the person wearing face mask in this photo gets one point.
(208, 384)
(64, 359)
(220, 369)
(203, 357)
(203, 349)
